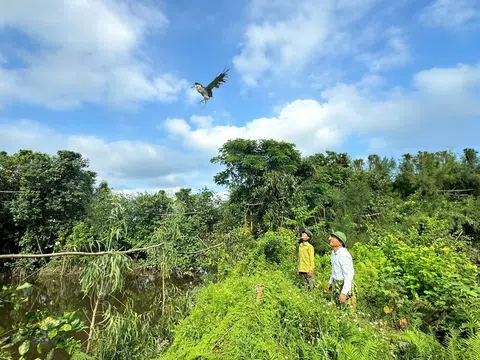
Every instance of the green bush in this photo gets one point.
(403, 289)
(288, 323)
(418, 277)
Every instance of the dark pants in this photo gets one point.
(308, 280)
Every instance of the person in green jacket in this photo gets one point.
(306, 259)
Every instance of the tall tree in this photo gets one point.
(54, 193)
(144, 213)
(9, 184)
(471, 170)
(247, 164)
(405, 182)
(321, 174)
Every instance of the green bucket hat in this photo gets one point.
(341, 236)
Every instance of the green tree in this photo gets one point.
(471, 171)
(247, 164)
(405, 180)
(144, 213)
(54, 194)
(202, 210)
(8, 186)
(322, 180)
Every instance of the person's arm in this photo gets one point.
(346, 263)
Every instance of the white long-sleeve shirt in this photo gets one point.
(342, 268)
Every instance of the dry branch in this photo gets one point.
(457, 190)
(81, 253)
(185, 213)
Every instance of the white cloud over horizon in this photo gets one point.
(121, 163)
(437, 94)
(439, 97)
(322, 77)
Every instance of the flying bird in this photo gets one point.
(206, 92)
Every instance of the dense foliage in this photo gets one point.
(413, 228)
(291, 322)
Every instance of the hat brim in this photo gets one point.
(338, 237)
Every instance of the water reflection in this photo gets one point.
(57, 294)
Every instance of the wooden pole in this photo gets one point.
(259, 293)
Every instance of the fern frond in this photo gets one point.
(349, 351)
(453, 345)
(472, 347)
(421, 346)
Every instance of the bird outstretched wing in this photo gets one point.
(219, 80)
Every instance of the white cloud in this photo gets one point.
(448, 80)
(395, 54)
(370, 82)
(283, 37)
(283, 43)
(325, 79)
(439, 101)
(445, 95)
(176, 126)
(122, 163)
(202, 121)
(451, 13)
(88, 51)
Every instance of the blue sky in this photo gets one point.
(112, 79)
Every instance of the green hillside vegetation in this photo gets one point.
(413, 228)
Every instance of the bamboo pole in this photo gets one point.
(21, 256)
(82, 253)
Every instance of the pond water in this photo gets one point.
(58, 293)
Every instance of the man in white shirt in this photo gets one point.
(341, 284)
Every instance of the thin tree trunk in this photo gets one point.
(92, 324)
(63, 266)
(163, 292)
